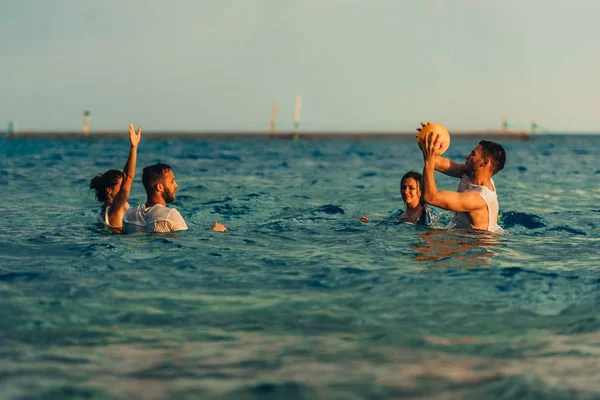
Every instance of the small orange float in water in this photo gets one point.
(439, 129)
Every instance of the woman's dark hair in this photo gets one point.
(103, 181)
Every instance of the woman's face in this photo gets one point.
(112, 191)
(410, 191)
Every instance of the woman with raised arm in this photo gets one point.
(113, 187)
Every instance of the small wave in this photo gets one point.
(360, 153)
(228, 209)
(569, 230)
(166, 241)
(195, 157)
(283, 390)
(229, 157)
(226, 199)
(185, 198)
(194, 187)
(368, 175)
(511, 219)
(328, 209)
(55, 157)
(512, 271)
(19, 276)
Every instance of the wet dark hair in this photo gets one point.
(496, 152)
(101, 182)
(152, 174)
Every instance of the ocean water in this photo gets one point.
(298, 300)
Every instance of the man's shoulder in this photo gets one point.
(163, 212)
(159, 211)
(173, 213)
(176, 220)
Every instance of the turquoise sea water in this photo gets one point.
(298, 300)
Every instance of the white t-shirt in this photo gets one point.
(157, 218)
(460, 219)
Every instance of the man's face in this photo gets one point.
(170, 186)
(474, 159)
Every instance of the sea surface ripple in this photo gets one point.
(298, 300)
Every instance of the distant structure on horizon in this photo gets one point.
(272, 126)
(86, 122)
(505, 124)
(297, 116)
(12, 127)
(507, 130)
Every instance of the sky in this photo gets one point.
(358, 64)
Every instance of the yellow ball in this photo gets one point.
(444, 139)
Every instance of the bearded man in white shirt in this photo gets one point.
(154, 215)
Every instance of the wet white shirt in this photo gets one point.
(460, 219)
(157, 218)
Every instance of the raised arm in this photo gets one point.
(128, 171)
(448, 167)
(448, 200)
(445, 165)
(452, 201)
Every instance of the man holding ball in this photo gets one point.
(475, 203)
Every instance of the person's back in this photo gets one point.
(156, 218)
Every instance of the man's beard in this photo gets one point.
(168, 196)
(469, 171)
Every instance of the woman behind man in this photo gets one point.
(416, 211)
(113, 187)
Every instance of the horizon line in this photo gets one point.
(262, 134)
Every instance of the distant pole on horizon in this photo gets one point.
(11, 129)
(272, 126)
(534, 126)
(86, 122)
(505, 124)
(297, 116)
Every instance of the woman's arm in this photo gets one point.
(128, 173)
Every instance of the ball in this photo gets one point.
(444, 138)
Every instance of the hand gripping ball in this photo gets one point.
(439, 129)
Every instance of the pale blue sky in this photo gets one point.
(359, 64)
